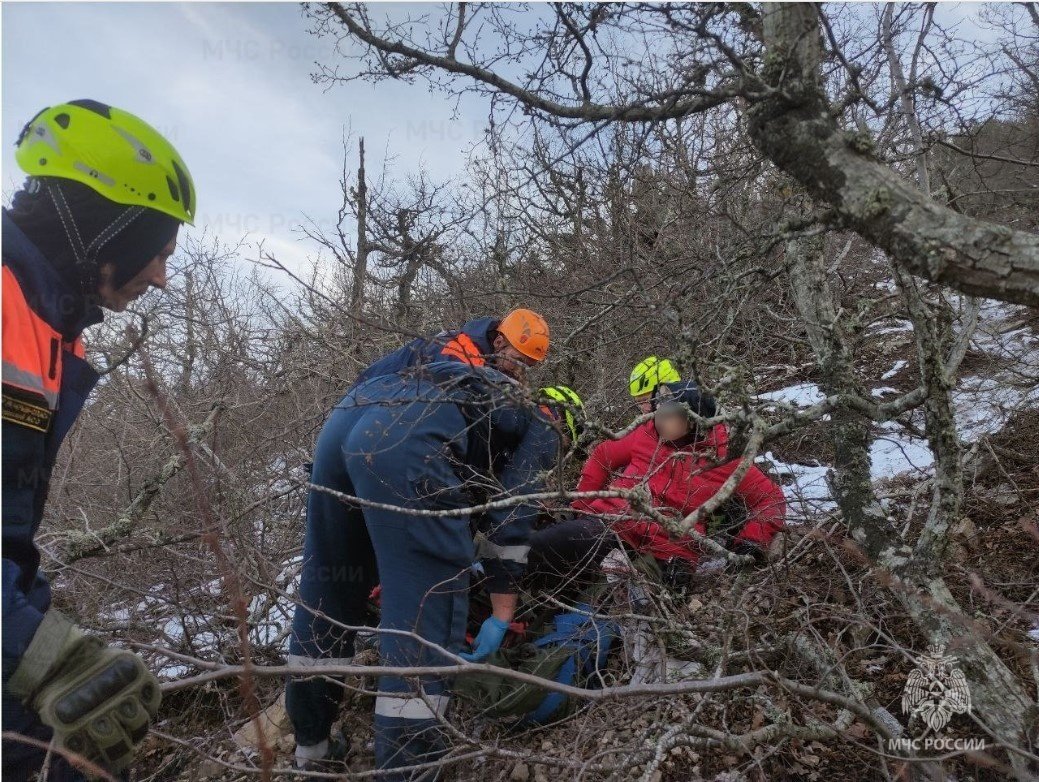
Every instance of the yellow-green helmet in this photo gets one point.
(566, 400)
(119, 155)
(650, 373)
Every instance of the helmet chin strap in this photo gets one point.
(86, 255)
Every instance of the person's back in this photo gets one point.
(508, 344)
(416, 448)
(471, 344)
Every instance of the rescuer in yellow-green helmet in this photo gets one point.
(92, 228)
(567, 406)
(106, 195)
(646, 376)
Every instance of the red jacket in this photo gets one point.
(679, 481)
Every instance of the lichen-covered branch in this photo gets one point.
(82, 544)
(795, 129)
(998, 695)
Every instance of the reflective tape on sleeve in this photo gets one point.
(303, 661)
(412, 708)
(487, 549)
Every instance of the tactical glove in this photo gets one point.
(98, 699)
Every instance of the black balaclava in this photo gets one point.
(77, 229)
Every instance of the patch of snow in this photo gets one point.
(802, 395)
(894, 452)
(268, 620)
(901, 327)
(118, 615)
(993, 317)
(206, 640)
(807, 494)
(983, 404)
(898, 367)
(173, 670)
(712, 565)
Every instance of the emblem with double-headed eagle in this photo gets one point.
(936, 689)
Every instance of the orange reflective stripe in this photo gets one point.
(464, 349)
(76, 348)
(31, 348)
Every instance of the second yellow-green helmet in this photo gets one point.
(650, 373)
(114, 152)
(566, 400)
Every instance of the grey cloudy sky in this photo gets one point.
(229, 84)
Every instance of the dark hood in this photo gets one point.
(129, 249)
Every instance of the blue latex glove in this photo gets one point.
(488, 640)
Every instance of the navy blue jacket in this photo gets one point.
(470, 345)
(507, 446)
(46, 381)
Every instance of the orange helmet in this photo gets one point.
(527, 332)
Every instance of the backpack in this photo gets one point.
(574, 652)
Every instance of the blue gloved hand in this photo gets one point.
(488, 640)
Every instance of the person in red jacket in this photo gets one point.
(681, 468)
